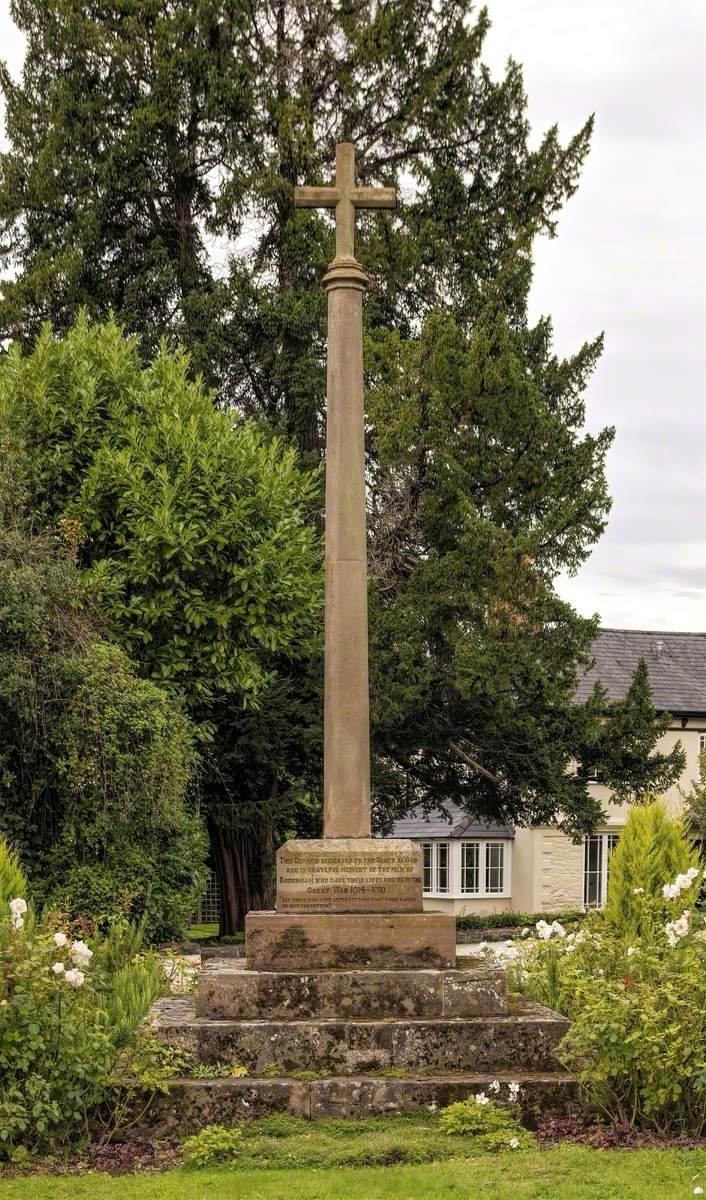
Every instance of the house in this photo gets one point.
(473, 867)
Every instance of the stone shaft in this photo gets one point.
(346, 721)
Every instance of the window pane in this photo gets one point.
(426, 867)
(611, 842)
(494, 867)
(592, 871)
(442, 866)
(470, 867)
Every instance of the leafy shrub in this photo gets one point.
(12, 878)
(211, 1146)
(65, 1021)
(636, 994)
(492, 1126)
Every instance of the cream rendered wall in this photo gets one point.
(461, 906)
(526, 878)
(552, 875)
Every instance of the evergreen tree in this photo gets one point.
(153, 153)
(695, 802)
(623, 751)
(148, 139)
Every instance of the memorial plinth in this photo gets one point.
(349, 903)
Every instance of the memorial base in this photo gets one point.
(276, 941)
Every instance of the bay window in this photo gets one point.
(478, 867)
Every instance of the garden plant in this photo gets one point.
(633, 982)
(70, 1017)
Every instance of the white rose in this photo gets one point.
(58, 968)
(80, 954)
(60, 940)
(18, 906)
(75, 978)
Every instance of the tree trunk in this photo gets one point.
(244, 862)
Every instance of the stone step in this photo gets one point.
(524, 1039)
(228, 991)
(191, 1104)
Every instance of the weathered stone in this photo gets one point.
(363, 1097)
(346, 723)
(525, 1040)
(191, 1104)
(314, 941)
(227, 991)
(349, 875)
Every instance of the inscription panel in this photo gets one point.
(349, 875)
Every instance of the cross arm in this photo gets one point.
(368, 197)
(316, 197)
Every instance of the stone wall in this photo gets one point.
(561, 865)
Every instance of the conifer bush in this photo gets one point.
(12, 877)
(653, 848)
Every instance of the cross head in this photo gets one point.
(345, 197)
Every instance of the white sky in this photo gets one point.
(630, 259)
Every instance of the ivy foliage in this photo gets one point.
(97, 765)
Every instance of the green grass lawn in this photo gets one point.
(568, 1173)
(196, 933)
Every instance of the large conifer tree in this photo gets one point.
(153, 151)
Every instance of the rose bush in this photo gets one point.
(67, 1013)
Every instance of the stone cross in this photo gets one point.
(346, 715)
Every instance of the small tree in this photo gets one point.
(653, 849)
(622, 751)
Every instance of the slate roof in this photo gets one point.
(676, 663)
(458, 824)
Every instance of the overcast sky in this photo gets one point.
(630, 259)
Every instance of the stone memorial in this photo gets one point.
(350, 1000)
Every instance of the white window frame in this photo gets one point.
(433, 846)
(607, 841)
(455, 868)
